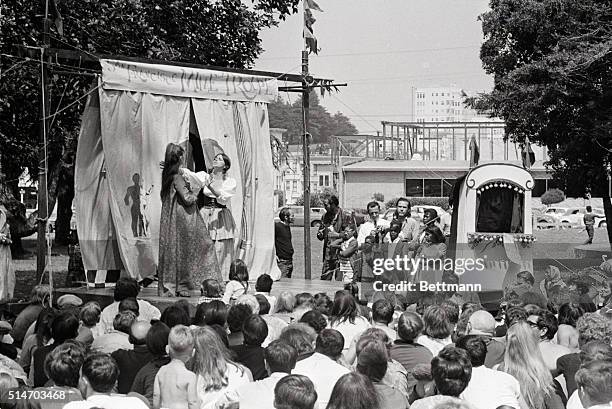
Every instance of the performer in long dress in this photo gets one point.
(7, 272)
(213, 202)
(186, 251)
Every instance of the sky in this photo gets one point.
(383, 48)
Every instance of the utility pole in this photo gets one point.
(45, 101)
(306, 160)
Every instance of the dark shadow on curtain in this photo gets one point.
(499, 210)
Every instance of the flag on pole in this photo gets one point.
(527, 154)
(474, 152)
(57, 17)
(309, 20)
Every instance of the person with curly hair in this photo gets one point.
(591, 327)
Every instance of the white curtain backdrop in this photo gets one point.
(123, 140)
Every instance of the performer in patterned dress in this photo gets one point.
(186, 251)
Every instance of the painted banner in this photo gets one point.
(187, 82)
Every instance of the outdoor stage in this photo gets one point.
(294, 285)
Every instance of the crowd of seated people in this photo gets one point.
(267, 350)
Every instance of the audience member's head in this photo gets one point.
(285, 302)
(304, 300)
(40, 295)
(373, 334)
(372, 360)
(409, 326)
(90, 314)
(452, 311)
(481, 323)
(343, 309)
(63, 364)
(129, 304)
(525, 277)
(211, 288)
(330, 343)
(451, 371)
(123, 322)
(239, 271)
(255, 330)
(175, 315)
(523, 360)
(514, 315)
(126, 287)
(301, 337)
(264, 304)
(264, 283)
(249, 300)
(476, 348)
(42, 328)
(211, 359)
(436, 322)
(595, 351)
(222, 333)
(180, 343)
(236, 317)
(354, 391)
(280, 357)
(569, 313)
(545, 323)
(295, 392)
(157, 338)
(210, 313)
(315, 319)
(7, 382)
(594, 384)
(65, 326)
(98, 374)
(593, 327)
(138, 332)
(322, 303)
(382, 312)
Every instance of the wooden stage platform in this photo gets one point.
(295, 285)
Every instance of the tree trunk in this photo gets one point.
(608, 212)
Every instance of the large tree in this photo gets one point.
(322, 125)
(552, 67)
(222, 33)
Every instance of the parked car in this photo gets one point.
(416, 212)
(316, 216)
(574, 217)
(555, 212)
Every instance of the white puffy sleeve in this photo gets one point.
(227, 190)
(196, 180)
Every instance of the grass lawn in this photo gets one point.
(551, 244)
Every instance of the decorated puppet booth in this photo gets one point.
(492, 238)
(137, 111)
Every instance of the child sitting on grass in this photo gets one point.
(175, 386)
(211, 290)
(238, 283)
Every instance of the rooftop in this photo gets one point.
(404, 165)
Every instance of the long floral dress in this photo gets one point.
(186, 251)
(7, 272)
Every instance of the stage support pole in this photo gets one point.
(45, 101)
(306, 163)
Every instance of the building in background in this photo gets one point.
(444, 104)
(423, 159)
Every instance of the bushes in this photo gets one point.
(316, 198)
(552, 196)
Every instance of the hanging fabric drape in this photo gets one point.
(139, 109)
